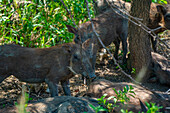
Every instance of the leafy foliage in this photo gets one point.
(39, 23)
(160, 1)
(154, 1)
(133, 71)
(110, 103)
(152, 108)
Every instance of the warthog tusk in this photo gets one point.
(71, 69)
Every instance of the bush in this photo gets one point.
(121, 97)
(39, 23)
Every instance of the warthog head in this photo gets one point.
(161, 15)
(80, 63)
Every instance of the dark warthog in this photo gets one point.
(159, 15)
(50, 65)
(161, 68)
(111, 28)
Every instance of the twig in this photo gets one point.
(167, 91)
(156, 28)
(138, 22)
(69, 14)
(167, 108)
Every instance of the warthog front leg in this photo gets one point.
(154, 43)
(117, 44)
(124, 45)
(53, 87)
(66, 87)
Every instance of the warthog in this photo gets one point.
(114, 28)
(111, 28)
(50, 65)
(159, 15)
(161, 68)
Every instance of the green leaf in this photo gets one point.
(132, 92)
(147, 104)
(102, 109)
(117, 67)
(115, 91)
(93, 107)
(111, 97)
(125, 90)
(120, 92)
(131, 95)
(104, 95)
(127, 87)
(104, 102)
(131, 87)
(115, 100)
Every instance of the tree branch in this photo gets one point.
(138, 21)
(69, 14)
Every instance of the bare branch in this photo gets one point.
(136, 22)
(167, 91)
(69, 14)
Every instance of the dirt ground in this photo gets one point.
(11, 88)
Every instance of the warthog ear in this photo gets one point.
(71, 29)
(88, 46)
(161, 9)
(87, 43)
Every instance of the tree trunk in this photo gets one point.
(139, 42)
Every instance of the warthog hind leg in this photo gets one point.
(66, 87)
(53, 87)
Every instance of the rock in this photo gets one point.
(102, 86)
(59, 104)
